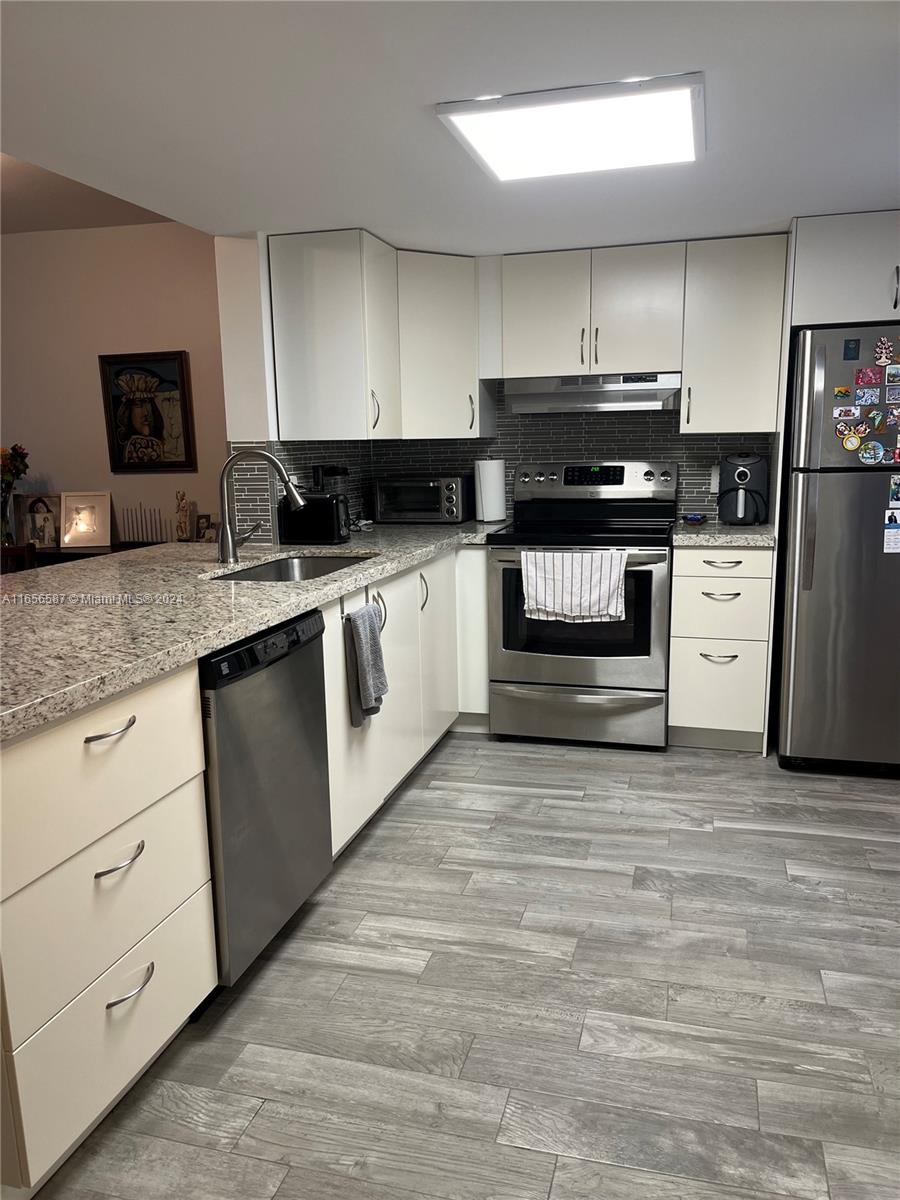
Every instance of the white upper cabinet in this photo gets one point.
(546, 313)
(637, 308)
(847, 269)
(733, 304)
(438, 346)
(336, 335)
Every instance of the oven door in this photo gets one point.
(632, 653)
(415, 500)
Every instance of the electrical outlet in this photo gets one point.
(714, 481)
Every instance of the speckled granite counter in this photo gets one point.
(747, 536)
(83, 631)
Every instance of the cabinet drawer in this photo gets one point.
(717, 684)
(78, 1063)
(62, 930)
(702, 607)
(61, 793)
(723, 560)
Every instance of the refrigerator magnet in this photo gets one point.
(851, 349)
(867, 395)
(851, 442)
(842, 395)
(862, 428)
(894, 493)
(893, 416)
(891, 531)
(892, 395)
(869, 377)
(871, 453)
(892, 373)
(884, 351)
(845, 412)
(842, 429)
(875, 417)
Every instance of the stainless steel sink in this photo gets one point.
(298, 567)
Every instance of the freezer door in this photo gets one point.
(846, 407)
(840, 694)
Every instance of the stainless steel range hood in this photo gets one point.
(595, 393)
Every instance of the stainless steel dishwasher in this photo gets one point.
(263, 705)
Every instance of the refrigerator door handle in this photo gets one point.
(809, 400)
(809, 499)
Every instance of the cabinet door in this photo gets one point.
(847, 269)
(546, 313)
(472, 626)
(733, 303)
(319, 335)
(382, 338)
(437, 647)
(353, 777)
(717, 684)
(438, 346)
(398, 726)
(637, 308)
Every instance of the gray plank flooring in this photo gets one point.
(550, 972)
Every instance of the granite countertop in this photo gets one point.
(83, 631)
(713, 534)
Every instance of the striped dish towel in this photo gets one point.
(574, 585)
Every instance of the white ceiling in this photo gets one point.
(236, 117)
(33, 199)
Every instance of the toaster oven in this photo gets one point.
(447, 500)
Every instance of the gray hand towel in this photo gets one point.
(366, 676)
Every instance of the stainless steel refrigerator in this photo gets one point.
(840, 694)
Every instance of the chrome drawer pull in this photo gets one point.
(718, 658)
(122, 865)
(721, 595)
(100, 737)
(722, 562)
(151, 967)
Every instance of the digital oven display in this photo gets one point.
(593, 475)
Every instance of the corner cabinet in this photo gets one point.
(847, 269)
(335, 332)
(439, 386)
(733, 305)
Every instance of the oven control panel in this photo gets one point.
(596, 481)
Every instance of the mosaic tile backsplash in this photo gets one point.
(560, 436)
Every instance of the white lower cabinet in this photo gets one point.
(437, 646)
(472, 626)
(714, 608)
(716, 683)
(73, 1068)
(399, 724)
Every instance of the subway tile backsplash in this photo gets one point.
(558, 437)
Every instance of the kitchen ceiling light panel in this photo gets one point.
(571, 131)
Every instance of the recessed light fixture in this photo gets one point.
(568, 131)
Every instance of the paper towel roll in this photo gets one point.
(490, 489)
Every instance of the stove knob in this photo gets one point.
(539, 477)
(649, 476)
(553, 477)
(451, 511)
(666, 476)
(524, 477)
(451, 487)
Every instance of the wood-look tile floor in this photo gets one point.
(548, 971)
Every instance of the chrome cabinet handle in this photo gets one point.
(725, 563)
(583, 331)
(596, 336)
(427, 592)
(151, 967)
(472, 407)
(382, 604)
(122, 865)
(377, 410)
(896, 287)
(721, 595)
(718, 658)
(687, 417)
(100, 737)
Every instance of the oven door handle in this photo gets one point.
(567, 697)
(636, 561)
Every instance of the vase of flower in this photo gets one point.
(13, 465)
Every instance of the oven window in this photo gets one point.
(410, 499)
(597, 639)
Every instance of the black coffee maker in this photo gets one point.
(743, 489)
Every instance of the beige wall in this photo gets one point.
(69, 295)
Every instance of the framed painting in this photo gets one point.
(149, 412)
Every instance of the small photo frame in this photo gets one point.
(892, 373)
(37, 519)
(85, 519)
(202, 522)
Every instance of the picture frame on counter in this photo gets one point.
(37, 519)
(85, 519)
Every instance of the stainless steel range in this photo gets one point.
(598, 682)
